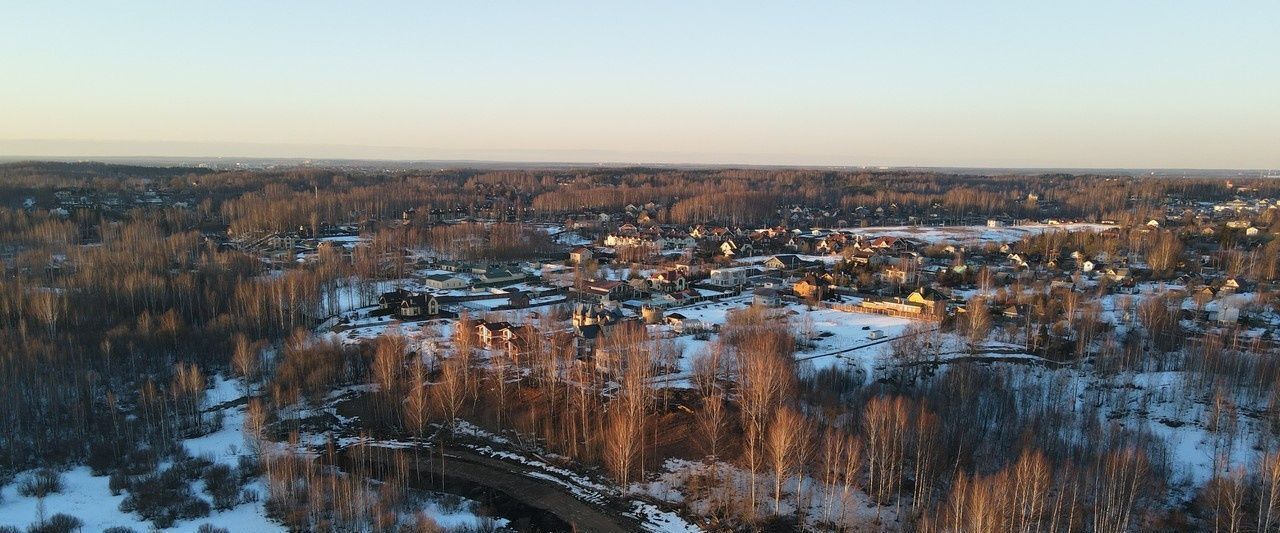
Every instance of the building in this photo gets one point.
(612, 290)
(580, 255)
(418, 305)
(445, 282)
(788, 262)
(731, 276)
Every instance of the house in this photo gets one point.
(597, 315)
(390, 301)
(788, 262)
(898, 275)
(489, 332)
(519, 340)
(669, 281)
(445, 282)
(765, 297)
(731, 276)
(682, 324)
(418, 305)
(809, 287)
(580, 255)
(731, 248)
(927, 298)
(612, 290)
(896, 244)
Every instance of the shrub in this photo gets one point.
(59, 523)
(10, 529)
(249, 496)
(119, 529)
(210, 528)
(140, 461)
(164, 498)
(102, 458)
(249, 468)
(117, 483)
(223, 485)
(41, 483)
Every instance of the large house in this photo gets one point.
(419, 305)
(407, 304)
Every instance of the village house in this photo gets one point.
(580, 255)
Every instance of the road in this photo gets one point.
(523, 484)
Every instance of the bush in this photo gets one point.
(119, 529)
(249, 496)
(210, 528)
(102, 458)
(41, 483)
(10, 529)
(117, 483)
(59, 523)
(249, 468)
(164, 498)
(141, 461)
(223, 485)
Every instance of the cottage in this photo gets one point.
(580, 255)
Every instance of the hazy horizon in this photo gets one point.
(935, 84)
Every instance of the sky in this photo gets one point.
(1137, 84)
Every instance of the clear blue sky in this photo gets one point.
(1012, 83)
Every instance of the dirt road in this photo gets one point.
(466, 471)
